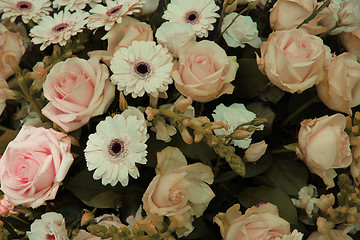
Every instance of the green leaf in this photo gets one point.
(258, 167)
(93, 193)
(252, 196)
(288, 174)
(250, 81)
(197, 151)
(7, 137)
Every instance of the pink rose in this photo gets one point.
(77, 89)
(178, 191)
(288, 14)
(340, 90)
(34, 164)
(121, 35)
(324, 145)
(204, 71)
(11, 45)
(292, 60)
(260, 222)
(351, 41)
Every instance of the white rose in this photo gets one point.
(242, 31)
(174, 36)
(50, 226)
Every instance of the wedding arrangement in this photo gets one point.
(180, 119)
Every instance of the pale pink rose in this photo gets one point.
(340, 89)
(50, 226)
(351, 41)
(178, 191)
(260, 222)
(34, 164)
(77, 89)
(288, 14)
(204, 71)
(343, 13)
(5, 94)
(292, 60)
(255, 151)
(11, 45)
(121, 35)
(324, 146)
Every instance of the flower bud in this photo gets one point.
(240, 134)
(186, 136)
(4, 211)
(255, 151)
(181, 105)
(86, 218)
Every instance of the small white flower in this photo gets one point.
(174, 36)
(233, 116)
(200, 13)
(59, 28)
(142, 67)
(242, 31)
(307, 200)
(114, 11)
(112, 151)
(50, 226)
(28, 9)
(295, 235)
(73, 5)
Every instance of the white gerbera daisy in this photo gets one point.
(59, 28)
(142, 67)
(73, 5)
(112, 13)
(28, 9)
(200, 13)
(112, 151)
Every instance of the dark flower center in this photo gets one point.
(142, 68)
(60, 27)
(116, 147)
(192, 17)
(23, 5)
(49, 237)
(113, 10)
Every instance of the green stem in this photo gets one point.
(314, 13)
(300, 109)
(329, 31)
(249, 7)
(28, 97)
(17, 218)
(3, 128)
(280, 151)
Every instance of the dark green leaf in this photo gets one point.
(200, 229)
(258, 167)
(254, 195)
(93, 193)
(288, 174)
(249, 81)
(7, 137)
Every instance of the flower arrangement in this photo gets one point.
(180, 119)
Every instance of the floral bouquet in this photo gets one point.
(180, 119)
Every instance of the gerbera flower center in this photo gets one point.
(114, 10)
(116, 147)
(23, 5)
(60, 27)
(142, 69)
(192, 17)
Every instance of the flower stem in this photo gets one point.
(249, 7)
(28, 97)
(300, 109)
(314, 13)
